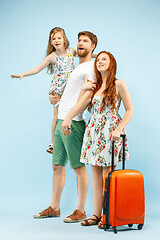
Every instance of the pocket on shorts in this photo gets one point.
(78, 127)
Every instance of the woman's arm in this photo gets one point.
(89, 85)
(49, 59)
(126, 98)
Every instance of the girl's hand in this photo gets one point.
(89, 85)
(17, 76)
(115, 135)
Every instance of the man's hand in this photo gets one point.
(54, 98)
(66, 126)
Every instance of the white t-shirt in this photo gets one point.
(83, 72)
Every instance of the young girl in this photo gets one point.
(59, 62)
(105, 124)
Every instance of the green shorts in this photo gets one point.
(68, 147)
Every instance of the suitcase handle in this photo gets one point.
(123, 166)
(104, 207)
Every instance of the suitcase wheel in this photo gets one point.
(106, 227)
(140, 226)
(130, 225)
(115, 230)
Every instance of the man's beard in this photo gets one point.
(84, 53)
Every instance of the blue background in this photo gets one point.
(130, 31)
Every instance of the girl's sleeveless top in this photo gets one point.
(62, 70)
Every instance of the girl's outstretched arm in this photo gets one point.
(49, 59)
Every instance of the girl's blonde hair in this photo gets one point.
(51, 49)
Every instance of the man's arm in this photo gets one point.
(54, 98)
(81, 105)
(94, 56)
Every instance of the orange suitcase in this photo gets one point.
(124, 198)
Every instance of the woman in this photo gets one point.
(105, 124)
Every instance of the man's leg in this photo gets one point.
(73, 144)
(82, 182)
(57, 185)
(59, 162)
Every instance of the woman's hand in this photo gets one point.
(115, 135)
(66, 126)
(17, 76)
(89, 85)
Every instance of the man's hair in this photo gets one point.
(91, 36)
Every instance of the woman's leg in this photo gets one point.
(97, 189)
(97, 196)
(104, 171)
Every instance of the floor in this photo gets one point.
(17, 223)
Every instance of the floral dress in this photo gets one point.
(62, 70)
(97, 148)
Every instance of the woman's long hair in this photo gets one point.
(109, 94)
(50, 48)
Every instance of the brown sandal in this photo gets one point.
(50, 149)
(94, 221)
(100, 224)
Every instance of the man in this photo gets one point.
(68, 142)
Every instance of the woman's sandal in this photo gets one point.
(100, 224)
(50, 149)
(94, 221)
